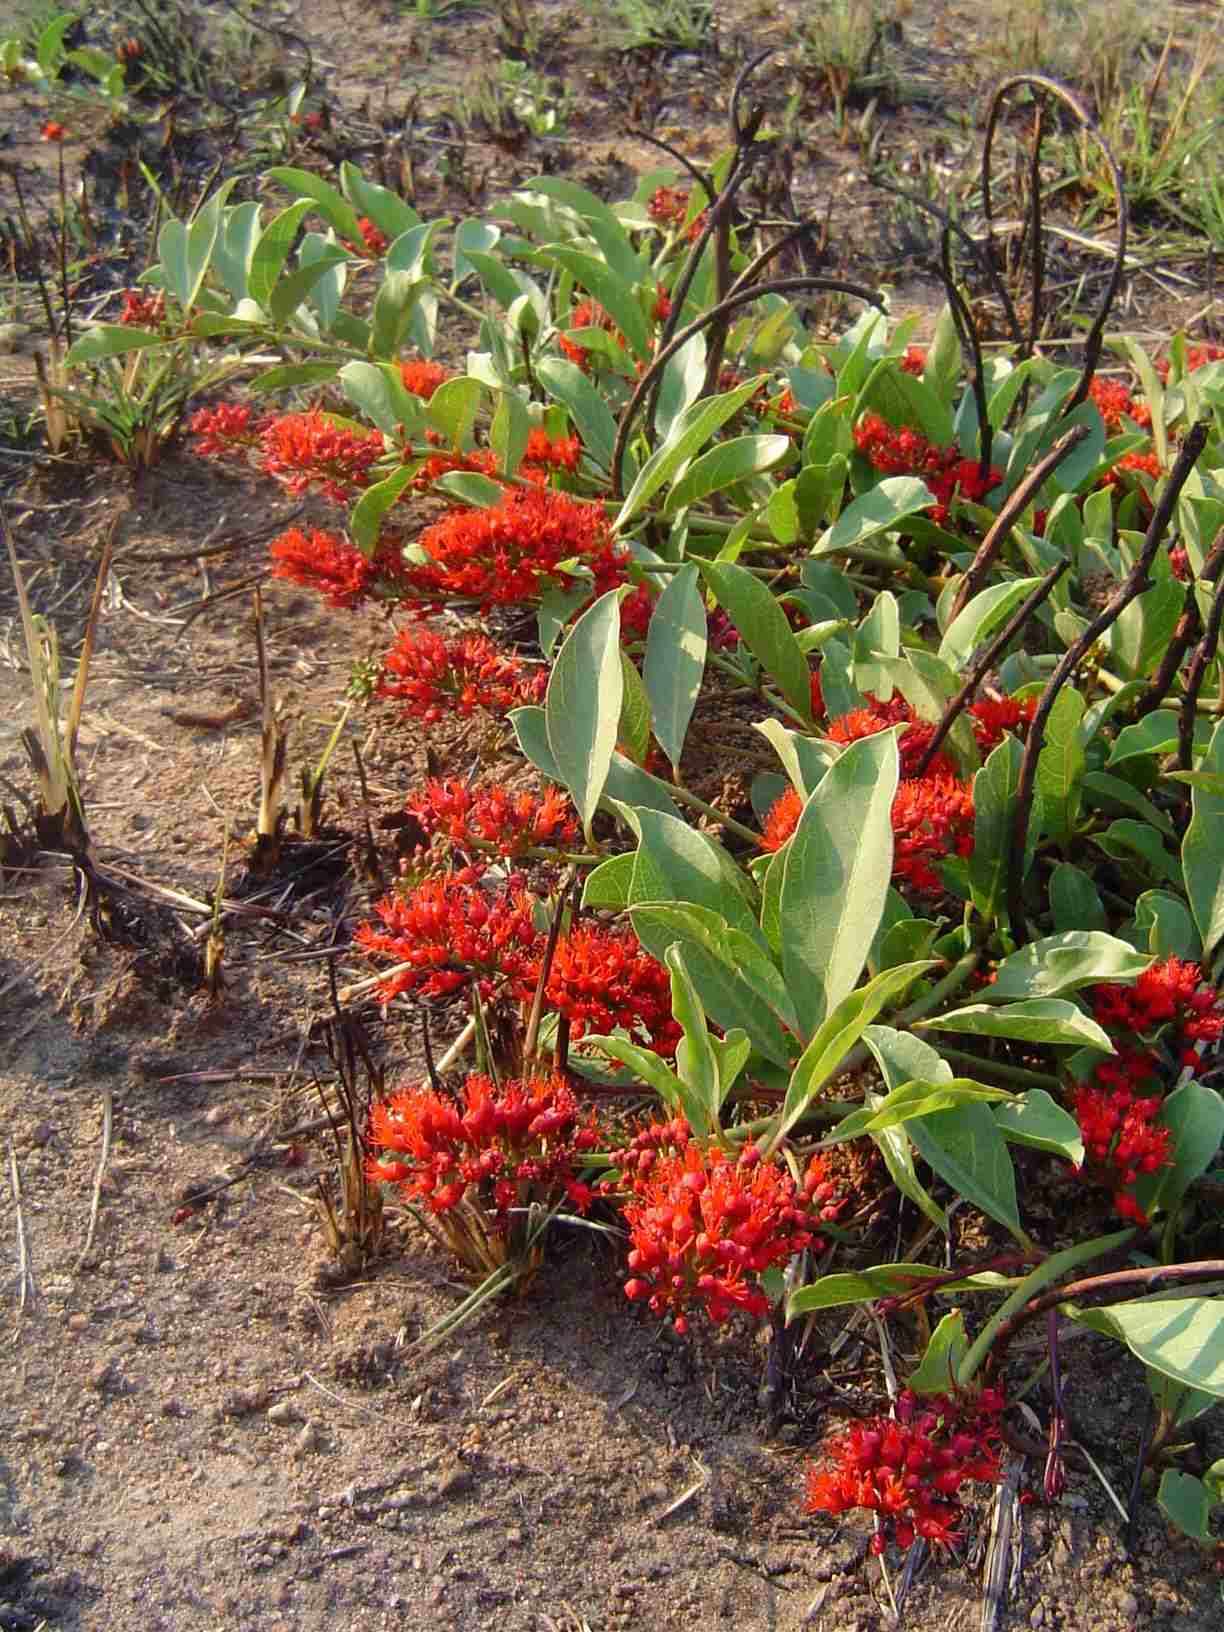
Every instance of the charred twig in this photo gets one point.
(532, 1036)
(1013, 507)
(702, 179)
(233, 540)
(1095, 336)
(1189, 628)
(987, 661)
(967, 334)
(1136, 581)
(1204, 652)
(108, 1122)
(1124, 1283)
(27, 1287)
(743, 297)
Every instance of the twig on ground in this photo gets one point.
(1002, 1546)
(27, 1286)
(108, 1123)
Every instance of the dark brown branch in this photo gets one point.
(1196, 674)
(987, 660)
(1188, 628)
(966, 330)
(742, 297)
(1136, 1283)
(1051, 87)
(1136, 581)
(1013, 507)
(704, 181)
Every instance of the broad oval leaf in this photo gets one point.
(1063, 963)
(566, 382)
(966, 1148)
(1203, 854)
(1040, 1122)
(973, 626)
(272, 250)
(583, 703)
(1035, 1020)
(676, 641)
(1182, 1338)
(836, 876)
(755, 612)
(691, 431)
(724, 465)
(879, 510)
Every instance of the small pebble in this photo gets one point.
(307, 1441)
(78, 1322)
(284, 1412)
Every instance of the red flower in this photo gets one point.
(230, 430)
(781, 820)
(324, 562)
(502, 1147)
(512, 551)
(909, 1471)
(1170, 992)
(636, 611)
(993, 717)
(52, 131)
(375, 241)
(449, 931)
(704, 1227)
(142, 310)
(602, 979)
(876, 716)
(512, 823)
(914, 360)
(906, 452)
(308, 450)
(436, 677)
(544, 454)
(1146, 464)
(668, 206)
(1113, 401)
(932, 816)
(422, 378)
(588, 314)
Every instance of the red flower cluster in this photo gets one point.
(909, 1471)
(993, 717)
(704, 1226)
(907, 452)
(1113, 401)
(324, 562)
(437, 677)
(300, 450)
(374, 240)
(914, 360)
(588, 314)
(512, 823)
(932, 815)
(1172, 993)
(449, 930)
(142, 311)
(1146, 464)
(503, 1147)
(1170, 1003)
(668, 206)
(1196, 357)
(422, 378)
(601, 979)
(544, 453)
(307, 450)
(52, 131)
(512, 551)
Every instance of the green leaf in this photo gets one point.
(289, 375)
(912, 1103)
(272, 251)
(739, 985)
(627, 783)
(453, 408)
(386, 209)
(995, 789)
(755, 612)
(104, 340)
(1163, 921)
(609, 886)
(1154, 734)
(1126, 839)
(1038, 1020)
(470, 487)
(861, 1286)
(675, 660)
(292, 290)
(880, 510)
(583, 703)
(647, 1065)
(1186, 1502)
(1202, 853)
(691, 431)
(1074, 902)
(566, 382)
(837, 871)
(50, 47)
(804, 759)
(510, 431)
(611, 291)
(965, 1147)
(902, 1058)
(986, 612)
(1063, 963)
(902, 399)
(366, 519)
(633, 730)
(334, 209)
(835, 1037)
(1040, 1122)
(948, 1346)
(696, 1064)
(1061, 765)
(370, 389)
(1182, 1338)
(1194, 1114)
(725, 464)
(392, 315)
(1106, 791)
